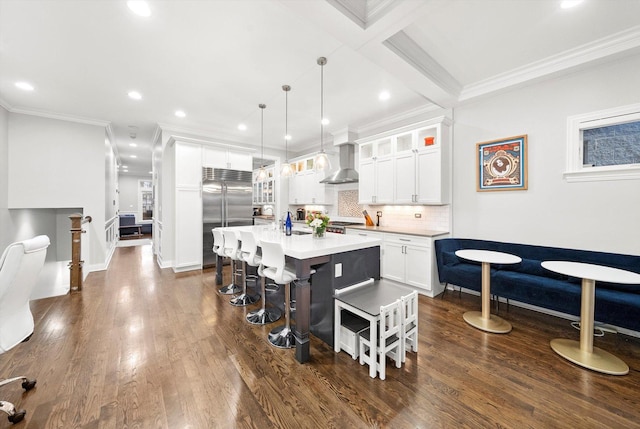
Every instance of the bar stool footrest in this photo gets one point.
(230, 289)
(282, 337)
(264, 316)
(244, 299)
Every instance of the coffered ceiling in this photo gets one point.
(216, 60)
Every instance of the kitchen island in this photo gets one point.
(337, 261)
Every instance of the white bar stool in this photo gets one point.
(218, 249)
(249, 249)
(273, 261)
(244, 298)
(231, 250)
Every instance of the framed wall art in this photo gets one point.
(501, 165)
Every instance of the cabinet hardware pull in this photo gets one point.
(405, 239)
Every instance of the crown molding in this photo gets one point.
(61, 117)
(615, 44)
(409, 116)
(218, 137)
(112, 141)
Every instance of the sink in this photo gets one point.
(300, 232)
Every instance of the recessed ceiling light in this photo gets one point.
(568, 4)
(384, 95)
(135, 95)
(140, 8)
(287, 137)
(132, 156)
(242, 127)
(151, 172)
(26, 86)
(180, 114)
(133, 145)
(325, 121)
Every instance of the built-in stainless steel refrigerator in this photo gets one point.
(226, 201)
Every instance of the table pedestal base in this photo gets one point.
(494, 324)
(598, 360)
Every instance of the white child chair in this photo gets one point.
(388, 341)
(409, 324)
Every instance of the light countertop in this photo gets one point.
(305, 246)
(400, 230)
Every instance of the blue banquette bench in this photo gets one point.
(528, 282)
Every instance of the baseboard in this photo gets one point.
(606, 327)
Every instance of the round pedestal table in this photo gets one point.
(485, 320)
(583, 353)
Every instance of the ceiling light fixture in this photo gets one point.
(135, 95)
(286, 170)
(180, 114)
(321, 160)
(568, 4)
(262, 173)
(132, 156)
(25, 86)
(242, 127)
(133, 145)
(140, 8)
(384, 95)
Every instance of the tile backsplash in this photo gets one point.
(348, 204)
(431, 217)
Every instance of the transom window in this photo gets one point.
(604, 145)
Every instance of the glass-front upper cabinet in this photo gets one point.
(427, 137)
(404, 142)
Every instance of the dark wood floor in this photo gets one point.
(141, 347)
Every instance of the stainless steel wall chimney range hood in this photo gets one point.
(346, 172)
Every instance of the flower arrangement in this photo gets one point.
(318, 222)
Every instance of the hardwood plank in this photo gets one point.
(142, 347)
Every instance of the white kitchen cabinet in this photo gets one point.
(226, 157)
(305, 186)
(188, 207)
(419, 170)
(188, 238)
(406, 258)
(375, 185)
(188, 171)
(375, 170)
(432, 186)
(265, 192)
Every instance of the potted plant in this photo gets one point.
(318, 223)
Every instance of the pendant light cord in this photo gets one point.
(322, 61)
(262, 107)
(286, 89)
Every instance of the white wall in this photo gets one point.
(21, 224)
(6, 229)
(59, 164)
(129, 188)
(588, 215)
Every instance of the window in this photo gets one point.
(604, 145)
(146, 198)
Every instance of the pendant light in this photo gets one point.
(286, 170)
(321, 160)
(262, 173)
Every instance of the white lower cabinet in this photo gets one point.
(407, 259)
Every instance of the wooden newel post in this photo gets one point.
(76, 241)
